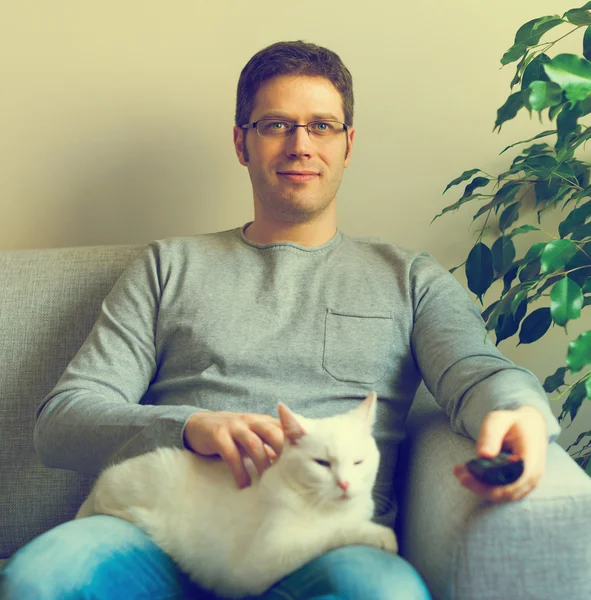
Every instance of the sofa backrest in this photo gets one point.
(49, 300)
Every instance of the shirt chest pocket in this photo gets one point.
(358, 347)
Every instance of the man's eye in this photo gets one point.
(322, 463)
(321, 126)
(277, 125)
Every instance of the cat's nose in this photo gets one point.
(344, 485)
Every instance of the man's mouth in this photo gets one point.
(299, 176)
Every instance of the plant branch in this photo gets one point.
(572, 385)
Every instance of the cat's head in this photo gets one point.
(332, 459)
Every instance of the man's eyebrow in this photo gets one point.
(315, 116)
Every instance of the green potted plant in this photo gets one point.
(550, 284)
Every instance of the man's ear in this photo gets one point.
(240, 145)
(350, 136)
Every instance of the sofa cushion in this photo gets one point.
(49, 300)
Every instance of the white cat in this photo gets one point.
(314, 498)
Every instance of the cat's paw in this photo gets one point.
(383, 538)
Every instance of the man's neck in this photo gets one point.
(303, 234)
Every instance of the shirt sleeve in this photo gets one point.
(93, 416)
(460, 365)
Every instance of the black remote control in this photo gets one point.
(500, 470)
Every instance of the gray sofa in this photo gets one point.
(466, 549)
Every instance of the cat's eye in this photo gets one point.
(358, 462)
(322, 463)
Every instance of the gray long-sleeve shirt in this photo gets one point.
(216, 322)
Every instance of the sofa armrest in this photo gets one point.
(467, 548)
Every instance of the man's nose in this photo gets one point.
(299, 142)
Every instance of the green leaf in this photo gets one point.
(582, 258)
(520, 297)
(587, 43)
(456, 205)
(586, 289)
(501, 308)
(522, 229)
(585, 106)
(556, 254)
(537, 149)
(566, 124)
(509, 216)
(546, 191)
(544, 94)
(479, 269)
(541, 165)
(572, 73)
(529, 271)
(463, 177)
(513, 54)
(535, 326)
(553, 382)
(486, 313)
(582, 232)
(535, 251)
(537, 137)
(535, 71)
(508, 324)
(531, 32)
(563, 173)
(503, 196)
(554, 110)
(474, 184)
(509, 110)
(578, 16)
(548, 283)
(576, 217)
(508, 278)
(573, 402)
(503, 251)
(566, 301)
(579, 352)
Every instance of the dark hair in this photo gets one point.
(292, 58)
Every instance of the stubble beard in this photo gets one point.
(282, 208)
(294, 206)
(292, 212)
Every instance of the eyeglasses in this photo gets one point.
(272, 128)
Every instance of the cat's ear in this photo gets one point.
(366, 410)
(292, 428)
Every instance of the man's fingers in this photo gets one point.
(495, 493)
(488, 492)
(270, 433)
(492, 433)
(253, 447)
(235, 436)
(230, 453)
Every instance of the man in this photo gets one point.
(208, 332)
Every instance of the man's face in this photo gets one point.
(299, 99)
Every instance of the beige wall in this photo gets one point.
(116, 118)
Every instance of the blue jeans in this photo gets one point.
(103, 557)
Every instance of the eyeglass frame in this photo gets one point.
(248, 126)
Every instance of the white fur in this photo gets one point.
(240, 542)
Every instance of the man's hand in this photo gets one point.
(522, 432)
(234, 436)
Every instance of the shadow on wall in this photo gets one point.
(130, 188)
